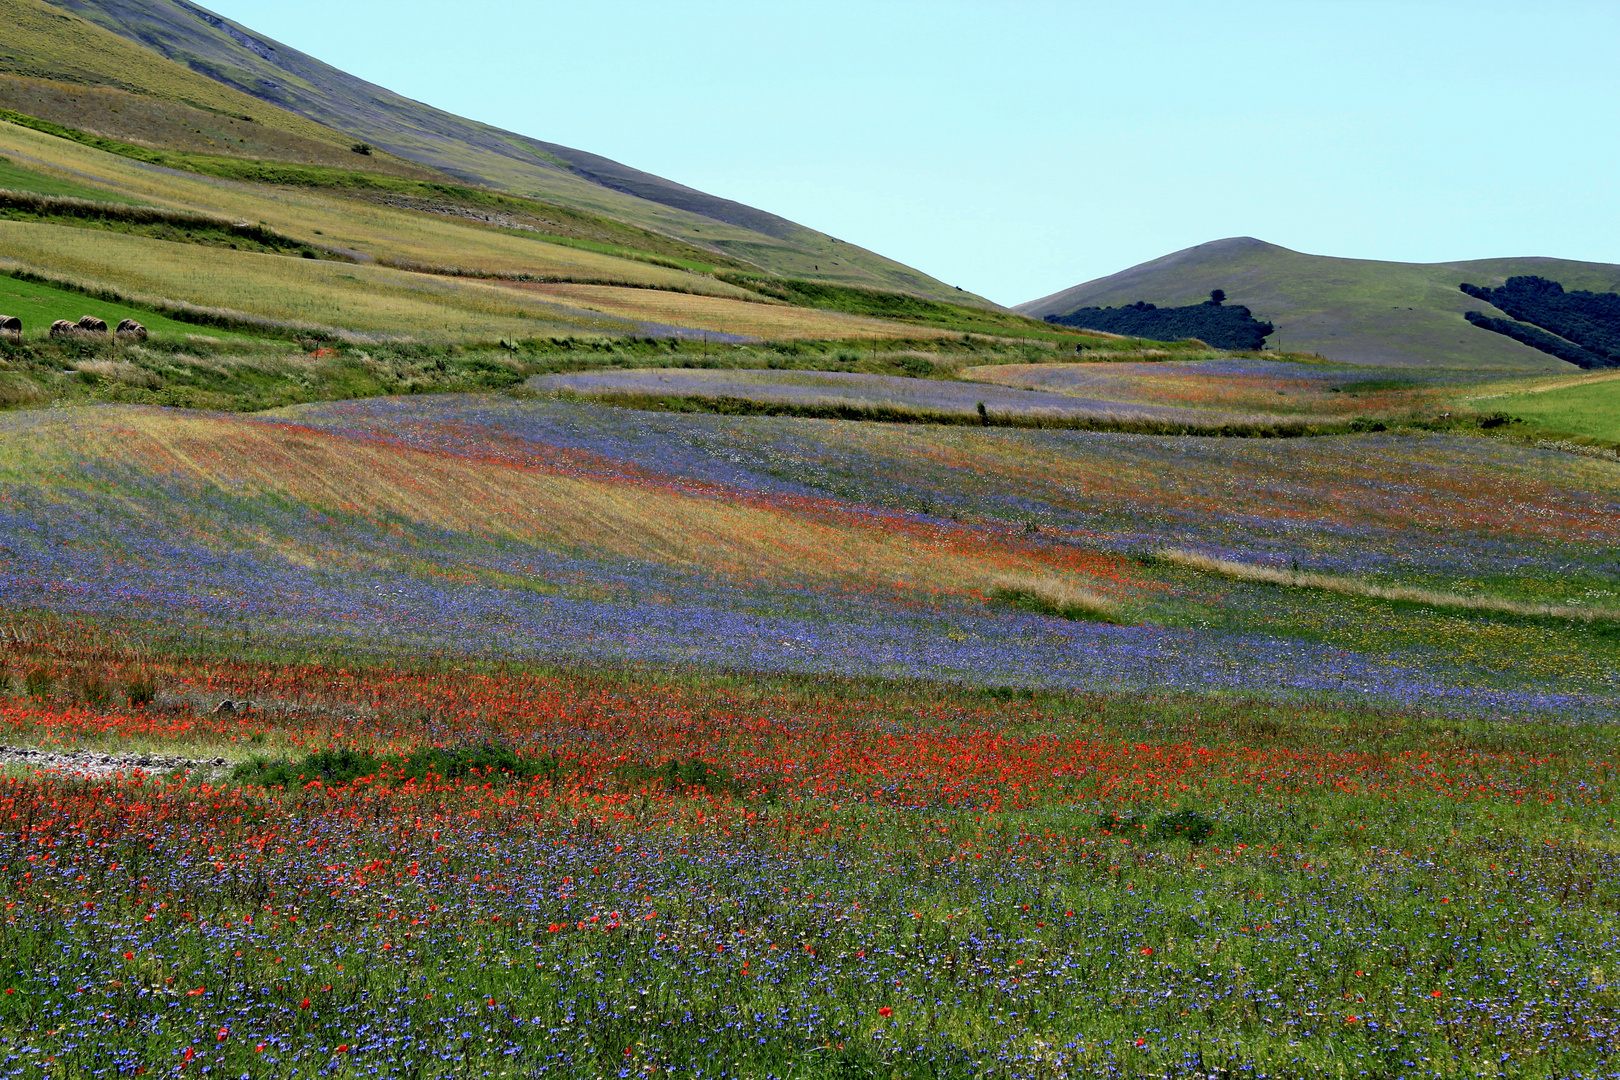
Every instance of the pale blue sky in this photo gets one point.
(1019, 148)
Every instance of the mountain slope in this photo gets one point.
(271, 72)
(1358, 310)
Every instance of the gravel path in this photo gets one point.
(96, 763)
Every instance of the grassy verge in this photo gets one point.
(174, 225)
(902, 414)
(1349, 586)
(901, 307)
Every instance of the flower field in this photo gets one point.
(792, 785)
(567, 532)
(824, 388)
(934, 884)
(1246, 385)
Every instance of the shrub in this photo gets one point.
(93, 688)
(140, 690)
(38, 683)
(346, 764)
(1184, 824)
(1114, 825)
(714, 778)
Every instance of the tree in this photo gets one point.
(1217, 296)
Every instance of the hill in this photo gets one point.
(1357, 310)
(252, 68)
(1213, 322)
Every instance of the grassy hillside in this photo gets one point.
(279, 76)
(55, 57)
(1355, 310)
(159, 123)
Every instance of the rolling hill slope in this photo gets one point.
(1357, 310)
(272, 74)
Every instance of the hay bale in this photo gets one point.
(11, 329)
(63, 328)
(89, 324)
(129, 328)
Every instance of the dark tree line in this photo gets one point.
(1212, 322)
(1580, 327)
(1537, 338)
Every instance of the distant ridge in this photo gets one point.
(1360, 311)
(271, 72)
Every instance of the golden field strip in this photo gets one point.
(767, 320)
(538, 506)
(303, 293)
(323, 219)
(371, 298)
(1349, 586)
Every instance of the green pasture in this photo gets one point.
(1590, 410)
(39, 305)
(16, 178)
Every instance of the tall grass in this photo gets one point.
(1053, 596)
(1349, 586)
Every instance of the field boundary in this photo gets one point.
(1349, 586)
(898, 414)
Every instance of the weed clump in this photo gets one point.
(140, 690)
(346, 764)
(38, 683)
(694, 772)
(1184, 824)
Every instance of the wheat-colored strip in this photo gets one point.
(1349, 586)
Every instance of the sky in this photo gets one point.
(1018, 148)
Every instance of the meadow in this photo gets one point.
(1292, 386)
(859, 395)
(572, 740)
(38, 305)
(1587, 407)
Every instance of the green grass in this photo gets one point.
(1591, 410)
(38, 305)
(14, 177)
(47, 42)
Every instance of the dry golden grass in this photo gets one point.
(327, 220)
(774, 321)
(1053, 596)
(296, 292)
(1349, 586)
(533, 505)
(119, 371)
(144, 121)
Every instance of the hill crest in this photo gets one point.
(267, 70)
(1363, 311)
